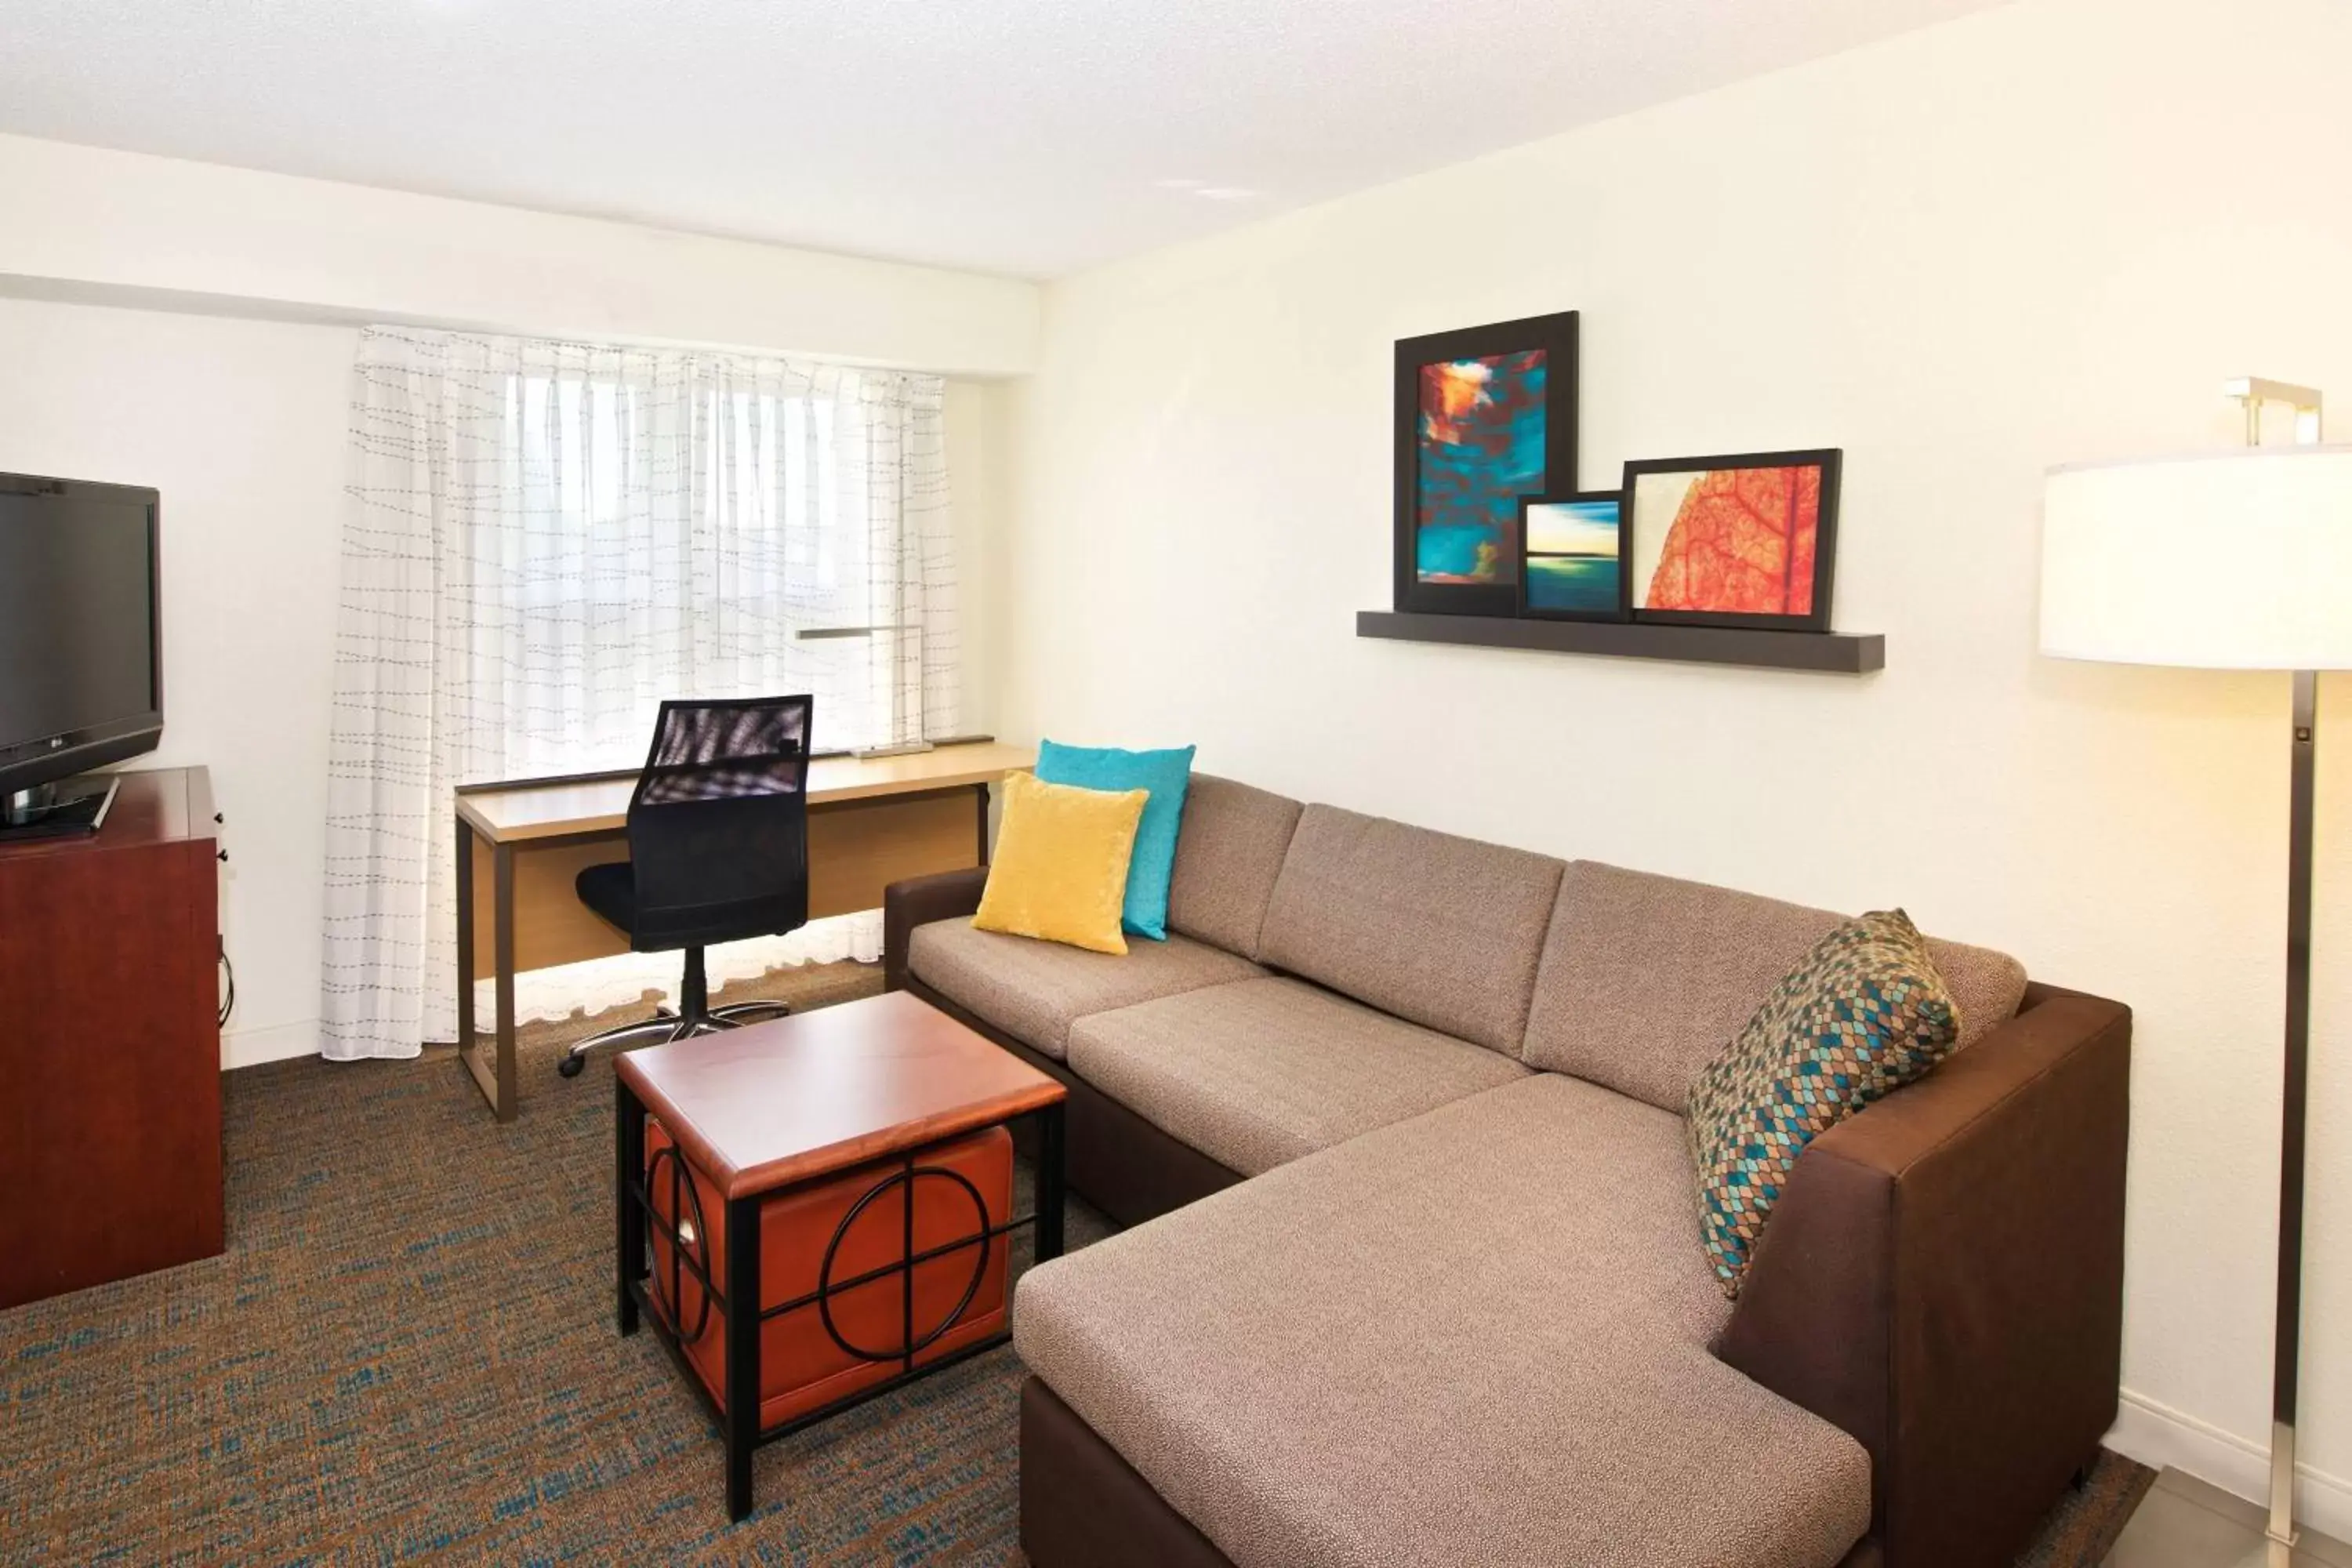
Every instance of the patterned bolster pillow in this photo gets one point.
(1861, 1014)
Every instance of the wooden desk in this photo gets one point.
(870, 823)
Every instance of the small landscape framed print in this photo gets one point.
(1746, 540)
(1572, 561)
(1484, 416)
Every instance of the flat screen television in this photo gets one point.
(81, 670)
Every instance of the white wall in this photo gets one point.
(979, 438)
(241, 425)
(2044, 234)
(87, 223)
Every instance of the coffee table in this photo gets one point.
(886, 1087)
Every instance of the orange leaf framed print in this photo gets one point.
(1742, 541)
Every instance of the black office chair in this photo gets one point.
(718, 852)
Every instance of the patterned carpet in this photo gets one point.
(407, 1354)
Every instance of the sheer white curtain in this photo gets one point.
(543, 539)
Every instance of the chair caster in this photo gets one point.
(569, 1066)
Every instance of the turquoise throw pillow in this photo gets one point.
(1165, 774)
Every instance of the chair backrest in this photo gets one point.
(720, 813)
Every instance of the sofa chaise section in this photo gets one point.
(1479, 1336)
(1941, 1281)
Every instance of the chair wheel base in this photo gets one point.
(666, 1025)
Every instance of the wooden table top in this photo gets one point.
(769, 1104)
(503, 814)
(153, 806)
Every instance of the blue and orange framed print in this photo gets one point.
(1485, 416)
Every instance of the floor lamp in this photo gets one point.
(2226, 561)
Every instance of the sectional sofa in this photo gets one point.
(1423, 1280)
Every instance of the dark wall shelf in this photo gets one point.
(1831, 651)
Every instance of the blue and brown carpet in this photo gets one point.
(407, 1354)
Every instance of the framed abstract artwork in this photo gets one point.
(1484, 417)
(1741, 540)
(1571, 563)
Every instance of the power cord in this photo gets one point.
(228, 1002)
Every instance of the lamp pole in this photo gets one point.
(2304, 735)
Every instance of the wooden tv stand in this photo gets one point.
(111, 1137)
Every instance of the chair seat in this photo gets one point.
(611, 890)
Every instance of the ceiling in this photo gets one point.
(1028, 137)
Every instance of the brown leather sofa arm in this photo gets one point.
(919, 901)
(1943, 1278)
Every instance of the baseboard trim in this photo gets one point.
(277, 1043)
(2157, 1435)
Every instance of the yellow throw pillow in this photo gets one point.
(1060, 870)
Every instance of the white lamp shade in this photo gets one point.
(2236, 561)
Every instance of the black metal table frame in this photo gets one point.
(738, 1415)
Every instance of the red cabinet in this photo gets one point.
(110, 1047)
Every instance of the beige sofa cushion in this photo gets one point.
(1228, 852)
(1259, 1072)
(1645, 979)
(1439, 930)
(1476, 1337)
(1032, 989)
